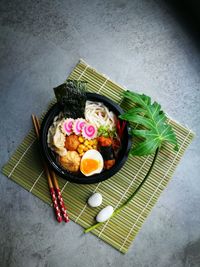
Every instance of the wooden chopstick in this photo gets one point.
(56, 186)
(51, 188)
(60, 198)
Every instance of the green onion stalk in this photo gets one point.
(130, 198)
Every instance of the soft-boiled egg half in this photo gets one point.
(91, 162)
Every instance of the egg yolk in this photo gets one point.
(89, 165)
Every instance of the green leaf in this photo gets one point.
(151, 124)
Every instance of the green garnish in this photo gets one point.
(152, 128)
(106, 132)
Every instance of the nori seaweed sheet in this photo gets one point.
(72, 97)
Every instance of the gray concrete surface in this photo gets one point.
(139, 44)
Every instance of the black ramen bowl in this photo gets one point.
(50, 157)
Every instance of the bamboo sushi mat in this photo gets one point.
(25, 168)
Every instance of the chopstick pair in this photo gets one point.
(58, 203)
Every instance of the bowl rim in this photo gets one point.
(96, 178)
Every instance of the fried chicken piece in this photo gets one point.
(104, 141)
(71, 161)
(72, 142)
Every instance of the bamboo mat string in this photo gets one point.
(102, 86)
(21, 157)
(82, 73)
(36, 180)
(66, 183)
